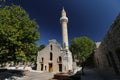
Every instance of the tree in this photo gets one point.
(18, 34)
(3, 2)
(82, 48)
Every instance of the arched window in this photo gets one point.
(51, 47)
(42, 67)
(60, 59)
(51, 56)
(42, 59)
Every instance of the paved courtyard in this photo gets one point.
(89, 75)
(37, 76)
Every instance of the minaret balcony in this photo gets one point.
(63, 19)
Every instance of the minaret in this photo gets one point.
(64, 21)
(67, 58)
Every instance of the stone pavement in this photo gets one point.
(37, 76)
(90, 74)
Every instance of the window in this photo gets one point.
(51, 55)
(51, 47)
(42, 59)
(60, 59)
(41, 67)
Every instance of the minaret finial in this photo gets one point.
(63, 12)
(63, 8)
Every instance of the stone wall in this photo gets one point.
(107, 55)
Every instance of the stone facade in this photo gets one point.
(50, 58)
(107, 54)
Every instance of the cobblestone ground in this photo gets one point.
(37, 76)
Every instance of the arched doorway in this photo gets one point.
(60, 67)
(50, 67)
(60, 63)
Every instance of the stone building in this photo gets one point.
(107, 54)
(50, 58)
(55, 58)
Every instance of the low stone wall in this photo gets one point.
(20, 68)
(77, 69)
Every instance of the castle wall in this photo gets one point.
(107, 55)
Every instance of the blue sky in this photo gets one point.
(91, 18)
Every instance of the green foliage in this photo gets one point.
(2, 3)
(2, 0)
(18, 34)
(82, 48)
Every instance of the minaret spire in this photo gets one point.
(63, 12)
(64, 21)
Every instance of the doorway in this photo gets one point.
(50, 67)
(60, 67)
(45, 67)
(41, 67)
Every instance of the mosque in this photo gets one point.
(54, 58)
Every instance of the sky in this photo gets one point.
(91, 18)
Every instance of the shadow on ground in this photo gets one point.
(11, 74)
(76, 76)
(67, 76)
